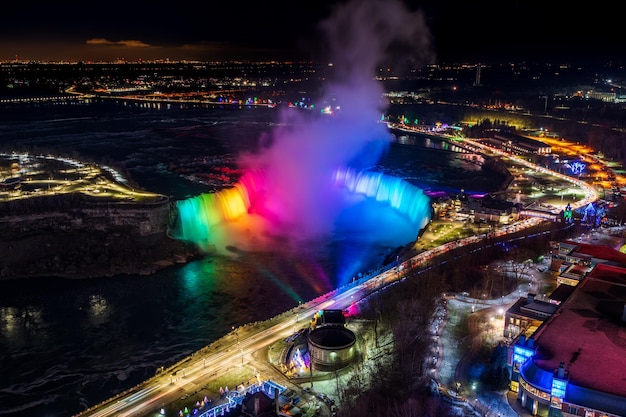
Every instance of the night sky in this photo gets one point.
(209, 30)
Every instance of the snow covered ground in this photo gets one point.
(454, 312)
(445, 357)
(447, 350)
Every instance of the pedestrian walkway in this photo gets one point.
(447, 361)
(516, 406)
(496, 406)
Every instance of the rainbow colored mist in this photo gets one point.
(250, 210)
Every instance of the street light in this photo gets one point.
(236, 335)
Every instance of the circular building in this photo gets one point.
(331, 347)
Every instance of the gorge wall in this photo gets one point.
(87, 239)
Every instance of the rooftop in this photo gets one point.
(561, 293)
(598, 252)
(588, 334)
(535, 309)
(574, 271)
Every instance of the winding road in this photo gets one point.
(226, 354)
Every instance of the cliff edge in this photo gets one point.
(88, 240)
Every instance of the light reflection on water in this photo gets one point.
(98, 308)
(94, 338)
(66, 345)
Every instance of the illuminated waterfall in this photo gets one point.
(197, 217)
(407, 199)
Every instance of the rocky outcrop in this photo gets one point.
(90, 240)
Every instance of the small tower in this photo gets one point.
(477, 81)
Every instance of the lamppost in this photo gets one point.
(236, 335)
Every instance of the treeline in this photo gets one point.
(600, 125)
(400, 383)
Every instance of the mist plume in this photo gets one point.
(295, 197)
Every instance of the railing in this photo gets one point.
(235, 398)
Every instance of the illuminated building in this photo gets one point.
(573, 274)
(518, 144)
(573, 364)
(526, 314)
(606, 96)
(331, 345)
(491, 210)
(477, 81)
(575, 259)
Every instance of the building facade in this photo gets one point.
(573, 364)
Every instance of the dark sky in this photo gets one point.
(211, 30)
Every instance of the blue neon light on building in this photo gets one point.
(520, 355)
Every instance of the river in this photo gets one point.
(66, 345)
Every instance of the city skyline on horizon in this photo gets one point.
(453, 30)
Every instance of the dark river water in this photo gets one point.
(67, 345)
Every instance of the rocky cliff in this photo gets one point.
(88, 239)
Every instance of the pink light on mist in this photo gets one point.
(292, 195)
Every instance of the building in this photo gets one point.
(573, 364)
(10, 183)
(561, 293)
(329, 318)
(518, 144)
(484, 208)
(258, 404)
(574, 260)
(331, 345)
(526, 315)
(606, 96)
(586, 254)
(572, 274)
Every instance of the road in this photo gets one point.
(164, 388)
(171, 385)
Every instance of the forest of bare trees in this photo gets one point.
(401, 387)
